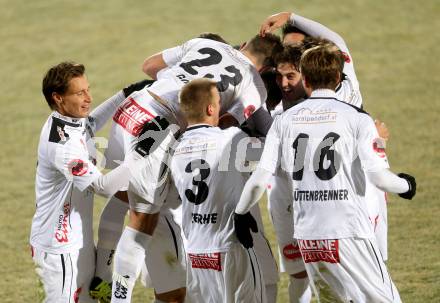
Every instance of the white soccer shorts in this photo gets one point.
(348, 270)
(164, 266)
(234, 276)
(66, 277)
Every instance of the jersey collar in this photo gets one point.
(323, 93)
(196, 126)
(74, 121)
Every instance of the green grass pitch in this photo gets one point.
(395, 49)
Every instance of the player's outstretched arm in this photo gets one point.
(244, 223)
(274, 22)
(253, 190)
(316, 29)
(107, 109)
(109, 184)
(153, 64)
(402, 184)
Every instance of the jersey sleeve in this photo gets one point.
(100, 115)
(271, 157)
(245, 151)
(316, 29)
(72, 160)
(173, 55)
(251, 97)
(370, 146)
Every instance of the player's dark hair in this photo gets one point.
(274, 95)
(289, 28)
(291, 54)
(321, 66)
(264, 48)
(57, 79)
(213, 36)
(194, 97)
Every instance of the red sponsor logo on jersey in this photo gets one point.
(62, 231)
(78, 167)
(206, 261)
(248, 111)
(346, 57)
(292, 251)
(131, 116)
(379, 147)
(319, 250)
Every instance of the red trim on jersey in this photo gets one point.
(131, 116)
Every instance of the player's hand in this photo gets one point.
(274, 22)
(412, 186)
(128, 90)
(243, 224)
(382, 129)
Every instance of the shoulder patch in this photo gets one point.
(77, 167)
(57, 133)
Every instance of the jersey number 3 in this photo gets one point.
(200, 190)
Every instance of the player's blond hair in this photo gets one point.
(195, 96)
(321, 66)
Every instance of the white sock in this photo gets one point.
(271, 293)
(299, 290)
(110, 229)
(129, 256)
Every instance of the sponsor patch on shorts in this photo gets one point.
(206, 261)
(291, 251)
(319, 250)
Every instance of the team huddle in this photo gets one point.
(191, 153)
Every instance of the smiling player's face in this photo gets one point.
(289, 81)
(76, 101)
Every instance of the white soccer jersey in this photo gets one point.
(316, 142)
(206, 169)
(64, 206)
(241, 88)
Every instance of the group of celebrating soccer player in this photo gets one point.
(192, 151)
